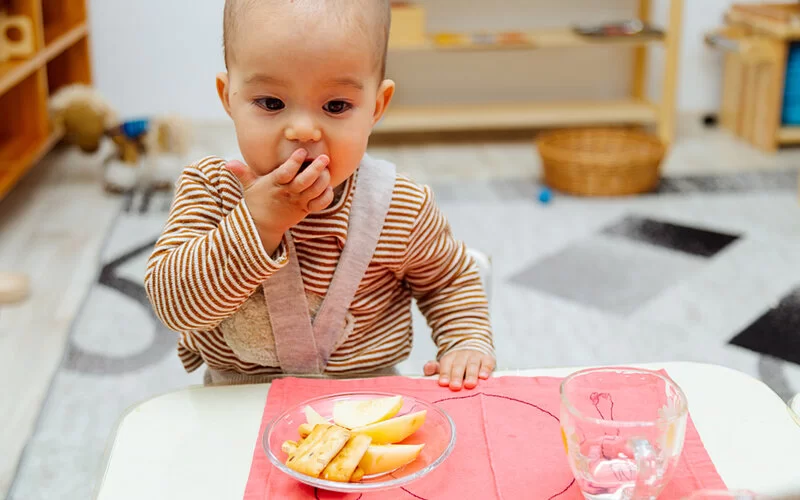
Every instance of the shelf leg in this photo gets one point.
(775, 77)
(639, 83)
(672, 46)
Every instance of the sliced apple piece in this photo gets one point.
(359, 413)
(312, 417)
(357, 476)
(393, 430)
(387, 457)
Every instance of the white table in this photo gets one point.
(198, 443)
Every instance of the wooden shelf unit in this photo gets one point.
(62, 57)
(547, 38)
(756, 40)
(62, 16)
(775, 20)
(519, 115)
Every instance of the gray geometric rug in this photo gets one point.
(706, 270)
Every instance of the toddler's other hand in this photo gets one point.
(461, 368)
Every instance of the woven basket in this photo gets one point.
(601, 161)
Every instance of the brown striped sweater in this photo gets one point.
(209, 260)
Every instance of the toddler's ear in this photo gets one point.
(223, 91)
(385, 93)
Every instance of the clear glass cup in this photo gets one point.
(623, 430)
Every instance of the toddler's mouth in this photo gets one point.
(305, 165)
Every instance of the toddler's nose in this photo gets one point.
(303, 129)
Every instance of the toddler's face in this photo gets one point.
(302, 81)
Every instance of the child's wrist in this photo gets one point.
(269, 233)
(270, 239)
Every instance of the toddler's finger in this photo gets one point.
(445, 365)
(286, 172)
(473, 365)
(321, 202)
(458, 370)
(319, 186)
(487, 367)
(430, 368)
(310, 175)
(242, 172)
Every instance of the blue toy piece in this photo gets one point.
(545, 195)
(132, 129)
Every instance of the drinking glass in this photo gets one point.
(623, 430)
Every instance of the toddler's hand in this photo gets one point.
(282, 198)
(465, 365)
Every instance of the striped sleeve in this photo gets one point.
(446, 282)
(209, 258)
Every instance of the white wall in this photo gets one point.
(149, 58)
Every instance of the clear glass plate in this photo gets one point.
(438, 433)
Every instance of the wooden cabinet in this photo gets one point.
(758, 41)
(61, 57)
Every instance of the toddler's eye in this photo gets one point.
(270, 103)
(337, 107)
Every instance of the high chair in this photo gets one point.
(794, 408)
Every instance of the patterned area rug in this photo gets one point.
(705, 270)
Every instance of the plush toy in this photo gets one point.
(147, 152)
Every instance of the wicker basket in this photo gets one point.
(601, 161)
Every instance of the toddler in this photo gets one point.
(303, 258)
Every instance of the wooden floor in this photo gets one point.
(54, 224)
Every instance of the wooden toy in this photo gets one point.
(408, 25)
(631, 27)
(16, 37)
(451, 39)
(512, 38)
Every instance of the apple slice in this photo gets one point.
(312, 417)
(351, 414)
(387, 457)
(393, 430)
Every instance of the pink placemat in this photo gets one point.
(508, 443)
